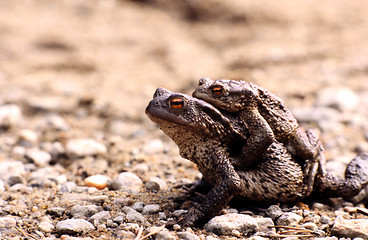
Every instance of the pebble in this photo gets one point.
(352, 228)
(2, 186)
(101, 217)
(10, 115)
(133, 216)
(74, 226)
(56, 211)
(151, 209)
(82, 147)
(98, 181)
(126, 181)
(153, 146)
(11, 168)
(226, 224)
(289, 219)
(84, 211)
(211, 238)
(56, 122)
(68, 187)
(310, 226)
(187, 236)
(265, 225)
(27, 137)
(159, 181)
(138, 206)
(7, 222)
(39, 157)
(274, 212)
(46, 227)
(12, 180)
(152, 186)
(341, 98)
(165, 235)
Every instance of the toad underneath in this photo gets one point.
(214, 142)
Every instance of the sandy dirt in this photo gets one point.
(97, 63)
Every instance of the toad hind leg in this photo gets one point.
(356, 177)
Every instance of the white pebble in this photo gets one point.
(39, 157)
(153, 146)
(10, 115)
(84, 147)
(46, 227)
(126, 181)
(98, 181)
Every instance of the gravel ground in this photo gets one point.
(80, 160)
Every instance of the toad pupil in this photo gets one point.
(217, 91)
(177, 103)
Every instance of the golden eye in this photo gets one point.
(217, 91)
(177, 103)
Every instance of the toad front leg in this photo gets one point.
(218, 169)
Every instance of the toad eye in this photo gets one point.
(177, 103)
(217, 91)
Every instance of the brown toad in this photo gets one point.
(208, 138)
(266, 118)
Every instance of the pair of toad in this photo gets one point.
(247, 144)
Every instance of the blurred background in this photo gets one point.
(57, 56)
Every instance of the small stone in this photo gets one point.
(56, 211)
(327, 238)
(310, 226)
(161, 183)
(11, 168)
(7, 222)
(274, 212)
(351, 228)
(151, 209)
(187, 236)
(122, 234)
(12, 180)
(211, 238)
(2, 186)
(119, 218)
(46, 227)
(56, 122)
(153, 146)
(342, 98)
(10, 115)
(84, 147)
(74, 226)
(98, 181)
(84, 211)
(180, 212)
(101, 217)
(164, 235)
(68, 187)
(265, 225)
(226, 224)
(126, 181)
(39, 157)
(289, 219)
(152, 186)
(133, 216)
(138, 206)
(319, 206)
(27, 137)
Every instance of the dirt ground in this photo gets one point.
(98, 62)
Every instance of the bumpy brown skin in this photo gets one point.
(266, 118)
(206, 137)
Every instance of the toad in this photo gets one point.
(206, 137)
(266, 118)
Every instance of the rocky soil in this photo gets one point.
(80, 160)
